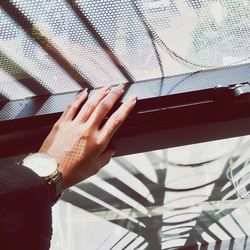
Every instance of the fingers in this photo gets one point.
(72, 108)
(118, 117)
(105, 106)
(91, 104)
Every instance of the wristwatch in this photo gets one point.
(46, 167)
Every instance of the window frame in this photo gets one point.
(159, 120)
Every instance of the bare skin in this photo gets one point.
(77, 141)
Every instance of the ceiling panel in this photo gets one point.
(64, 46)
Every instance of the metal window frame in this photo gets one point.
(158, 120)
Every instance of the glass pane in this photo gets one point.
(195, 195)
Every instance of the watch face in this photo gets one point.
(41, 163)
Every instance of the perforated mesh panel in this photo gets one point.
(57, 21)
(125, 33)
(64, 46)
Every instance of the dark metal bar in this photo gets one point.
(32, 84)
(200, 112)
(32, 106)
(27, 107)
(172, 85)
(34, 33)
(102, 43)
(155, 123)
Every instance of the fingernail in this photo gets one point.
(107, 88)
(119, 88)
(131, 99)
(83, 92)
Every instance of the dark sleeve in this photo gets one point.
(25, 210)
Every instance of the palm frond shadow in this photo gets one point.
(164, 222)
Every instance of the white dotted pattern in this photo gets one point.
(149, 39)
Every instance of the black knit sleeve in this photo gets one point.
(25, 210)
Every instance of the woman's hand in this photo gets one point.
(77, 141)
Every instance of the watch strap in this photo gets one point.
(54, 183)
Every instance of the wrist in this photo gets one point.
(45, 166)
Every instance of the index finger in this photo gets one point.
(117, 119)
(105, 106)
